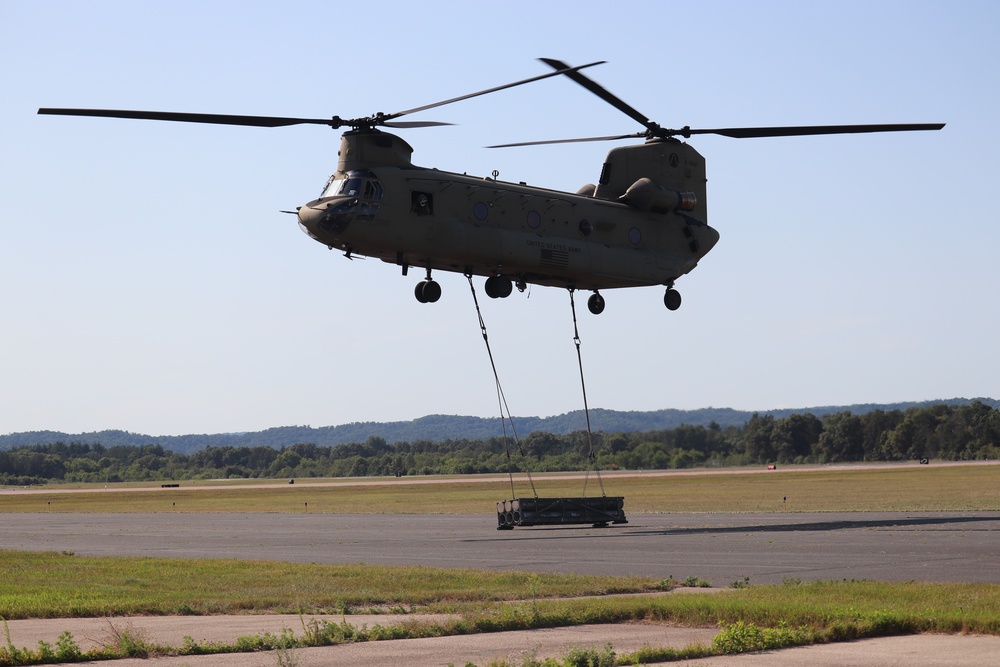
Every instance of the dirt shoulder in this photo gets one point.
(917, 651)
(479, 649)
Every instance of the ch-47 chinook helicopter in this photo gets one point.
(644, 223)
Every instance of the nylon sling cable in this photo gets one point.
(586, 410)
(504, 410)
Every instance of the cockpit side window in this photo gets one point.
(373, 190)
(352, 187)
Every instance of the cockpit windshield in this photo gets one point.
(342, 186)
(361, 184)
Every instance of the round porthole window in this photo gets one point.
(534, 219)
(481, 210)
(634, 235)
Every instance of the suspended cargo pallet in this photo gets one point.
(560, 511)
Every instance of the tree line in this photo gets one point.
(943, 431)
(439, 428)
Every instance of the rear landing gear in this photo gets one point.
(672, 299)
(596, 303)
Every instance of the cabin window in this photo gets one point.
(422, 203)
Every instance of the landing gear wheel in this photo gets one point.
(432, 291)
(418, 292)
(499, 287)
(427, 291)
(672, 299)
(596, 303)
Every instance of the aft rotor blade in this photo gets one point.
(639, 135)
(565, 69)
(217, 119)
(403, 124)
(800, 131)
(600, 91)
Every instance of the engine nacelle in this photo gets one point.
(646, 195)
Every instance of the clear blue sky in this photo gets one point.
(148, 281)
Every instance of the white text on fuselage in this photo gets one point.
(548, 245)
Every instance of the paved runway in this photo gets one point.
(719, 548)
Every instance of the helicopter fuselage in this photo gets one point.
(377, 204)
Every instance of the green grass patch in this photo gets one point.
(832, 609)
(51, 585)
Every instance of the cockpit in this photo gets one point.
(349, 197)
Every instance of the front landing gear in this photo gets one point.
(672, 299)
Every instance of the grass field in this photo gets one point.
(859, 489)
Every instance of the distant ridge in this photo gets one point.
(437, 428)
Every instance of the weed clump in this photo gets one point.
(696, 582)
(740, 637)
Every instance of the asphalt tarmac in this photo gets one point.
(717, 548)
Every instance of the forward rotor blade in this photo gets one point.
(639, 135)
(600, 91)
(565, 69)
(277, 121)
(216, 119)
(753, 132)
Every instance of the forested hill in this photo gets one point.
(440, 428)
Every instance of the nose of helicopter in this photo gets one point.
(310, 215)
